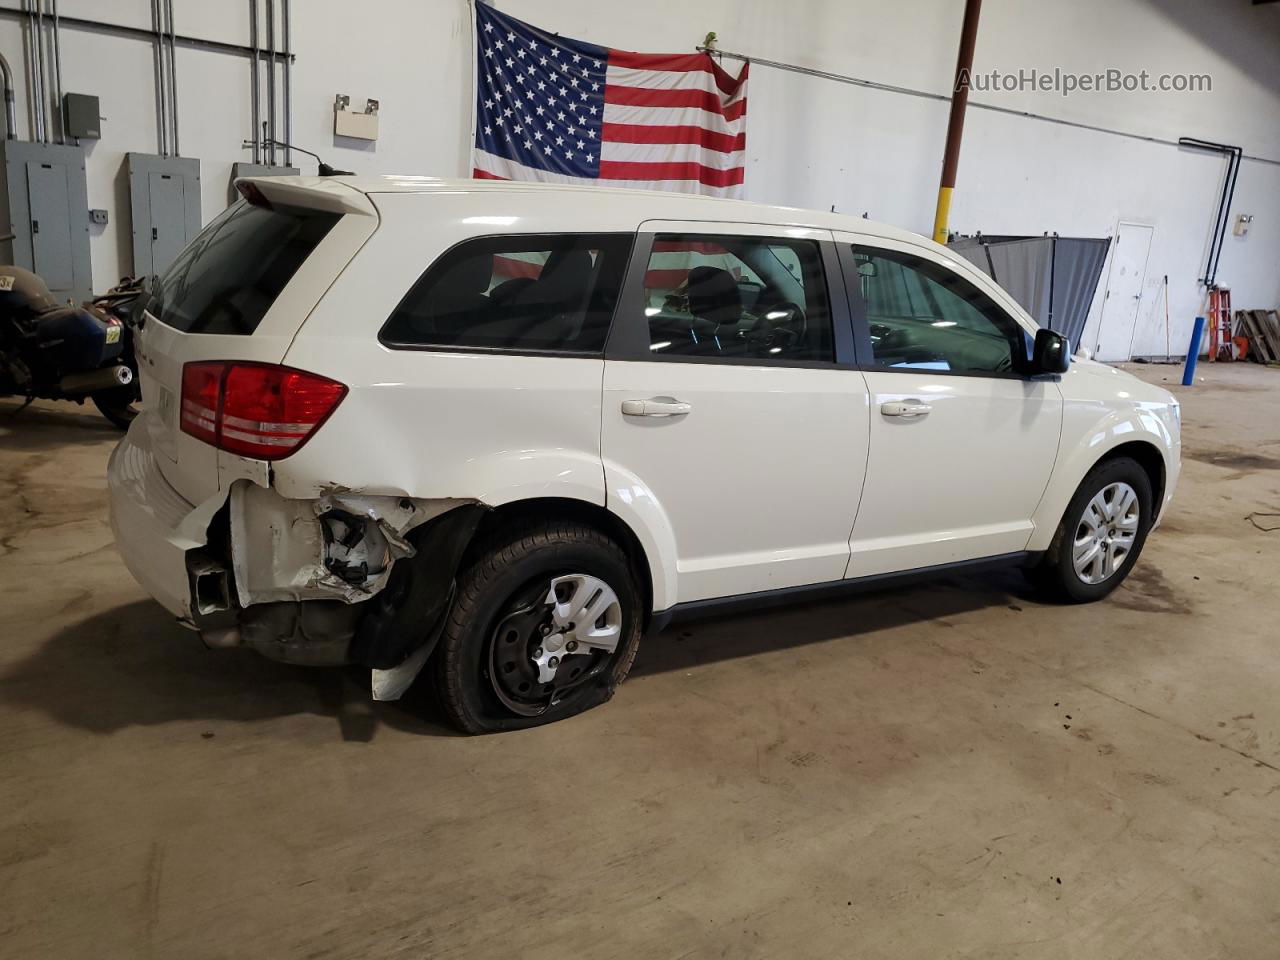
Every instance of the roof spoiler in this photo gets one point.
(327, 194)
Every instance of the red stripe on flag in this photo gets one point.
(637, 170)
(478, 174)
(703, 99)
(511, 267)
(659, 61)
(679, 63)
(688, 246)
(644, 133)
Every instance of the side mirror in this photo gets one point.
(1051, 353)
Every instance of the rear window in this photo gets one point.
(528, 293)
(229, 276)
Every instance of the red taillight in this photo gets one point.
(257, 410)
(201, 389)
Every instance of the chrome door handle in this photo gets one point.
(655, 407)
(905, 408)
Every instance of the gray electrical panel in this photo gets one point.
(164, 199)
(80, 115)
(45, 205)
(239, 170)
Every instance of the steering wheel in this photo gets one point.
(783, 324)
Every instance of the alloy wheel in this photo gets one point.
(1106, 533)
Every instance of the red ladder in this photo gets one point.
(1220, 324)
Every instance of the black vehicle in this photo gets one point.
(64, 352)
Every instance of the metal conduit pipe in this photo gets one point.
(255, 82)
(143, 34)
(1222, 220)
(929, 95)
(57, 73)
(271, 82)
(10, 108)
(173, 77)
(35, 32)
(288, 83)
(162, 100)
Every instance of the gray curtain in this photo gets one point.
(1053, 278)
(1077, 265)
(1025, 269)
(973, 250)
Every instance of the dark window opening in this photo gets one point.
(543, 293)
(226, 280)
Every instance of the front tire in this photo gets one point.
(1101, 534)
(545, 624)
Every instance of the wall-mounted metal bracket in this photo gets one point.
(348, 123)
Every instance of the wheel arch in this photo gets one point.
(1139, 437)
(1148, 456)
(583, 511)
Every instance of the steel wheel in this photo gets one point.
(555, 636)
(1106, 533)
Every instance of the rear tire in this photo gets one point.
(1100, 536)
(491, 671)
(117, 405)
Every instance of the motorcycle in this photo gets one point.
(59, 351)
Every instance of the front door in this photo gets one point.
(726, 410)
(962, 439)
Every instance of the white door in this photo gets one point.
(724, 406)
(1124, 292)
(962, 440)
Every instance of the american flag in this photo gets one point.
(564, 111)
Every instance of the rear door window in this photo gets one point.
(553, 293)
(231, 274)
(719, 297)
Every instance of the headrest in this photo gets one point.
(470, 275)
(714, 296)
(567, 274)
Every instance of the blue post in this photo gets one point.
(1193, 352)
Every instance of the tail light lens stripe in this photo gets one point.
(267, 441)
(260, 426)
(259, 410)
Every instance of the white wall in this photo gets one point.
(811, 142)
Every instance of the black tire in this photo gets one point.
(117, 405)
(1056, 573)
(509, 574)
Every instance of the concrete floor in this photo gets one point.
(950, 770)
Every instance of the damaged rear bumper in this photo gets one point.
(338, 579)
(150, 522)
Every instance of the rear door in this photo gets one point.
(732, 406)
(238, 292)
(963, 441)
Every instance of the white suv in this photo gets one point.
(502, 430)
